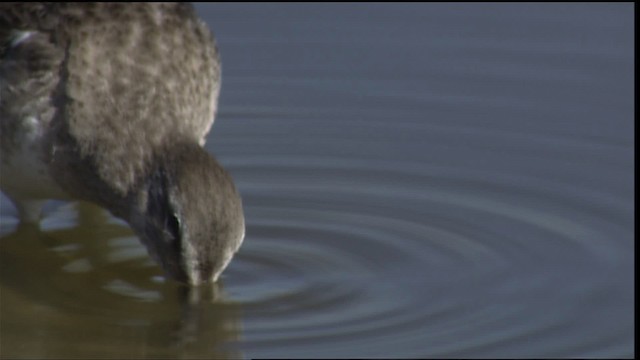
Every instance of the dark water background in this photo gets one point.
(419, 180)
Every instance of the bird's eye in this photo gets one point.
(172, 226)
(161, 213)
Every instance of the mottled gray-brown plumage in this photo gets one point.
(111, 103)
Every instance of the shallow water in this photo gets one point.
(419, 180)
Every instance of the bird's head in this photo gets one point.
(189, 215)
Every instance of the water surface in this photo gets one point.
(419, 180)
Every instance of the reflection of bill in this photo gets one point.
(89, 290)
(207, 324)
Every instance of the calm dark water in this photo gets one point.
(420, 180)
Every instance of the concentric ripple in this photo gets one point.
(387, 255)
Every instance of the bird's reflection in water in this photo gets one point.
(90, 279)
(205, 318)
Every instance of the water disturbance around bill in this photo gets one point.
(419, 180)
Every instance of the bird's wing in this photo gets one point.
(130, 78)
